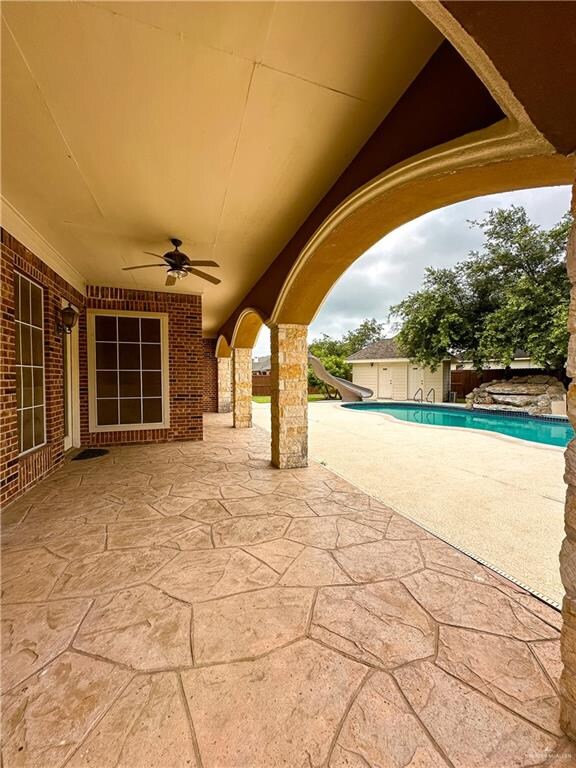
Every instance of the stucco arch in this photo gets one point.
(247, 327)
(499, 160)
(512, 154)
(223, 349)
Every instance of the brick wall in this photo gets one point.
(210, 400)
(20, 474)
(186, 362)
(192, 389)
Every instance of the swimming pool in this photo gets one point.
(550, 430)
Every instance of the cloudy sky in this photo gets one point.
(394, 267)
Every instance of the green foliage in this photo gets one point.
(367, 332)
(337, 366)
(513, 294)
(334, 364)
(267, 398)
(326, 346)
(333, 352)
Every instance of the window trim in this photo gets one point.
(91, 340)
(19, 367)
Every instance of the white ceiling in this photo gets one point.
(220, 123)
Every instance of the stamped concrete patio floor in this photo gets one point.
(187, 605)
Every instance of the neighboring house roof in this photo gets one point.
(385, 349)
(261, 364)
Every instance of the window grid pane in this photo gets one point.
(128, 370)
(30, 391)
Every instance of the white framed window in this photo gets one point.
(127, 370)
(30, 387)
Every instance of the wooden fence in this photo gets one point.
(463, 382)
(262, 385)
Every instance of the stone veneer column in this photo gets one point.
(568, 551)
(242, 387)
(224, 384)
(289, 396)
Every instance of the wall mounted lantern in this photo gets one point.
(68, 319)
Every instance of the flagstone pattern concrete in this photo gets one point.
(187, 605)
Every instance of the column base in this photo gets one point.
(290, 462)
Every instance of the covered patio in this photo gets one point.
(201, 595)
(189, 605)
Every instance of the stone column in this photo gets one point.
(568, 551)
(289, 396)
(242, 387)
(224, 384)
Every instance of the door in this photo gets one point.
(385, 383)
(415, 381)
(71, 387)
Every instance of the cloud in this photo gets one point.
(394, 267)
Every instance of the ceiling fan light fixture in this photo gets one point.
(179, 265)
(177, 273)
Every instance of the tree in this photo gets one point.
(325, 346)
(513, 294)
(367, 332)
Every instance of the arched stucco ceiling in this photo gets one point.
(223, 348)
(361, 222)
(513, 152)
(247, 328)
(243, 128)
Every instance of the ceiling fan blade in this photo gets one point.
(170, 280)
(197, 263)
(203, 275)
(149, 253)
(143, 266)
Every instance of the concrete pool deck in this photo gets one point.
(186, 605)
(498, 498)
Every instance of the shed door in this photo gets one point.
(415, 380)
(385, 383)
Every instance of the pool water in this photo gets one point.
(536, 429)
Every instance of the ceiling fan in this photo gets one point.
(179, 265)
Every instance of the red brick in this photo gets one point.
(192, 367)
(18, 474)
(210, 399)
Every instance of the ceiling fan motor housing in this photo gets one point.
(176, 257)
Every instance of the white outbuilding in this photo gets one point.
(382, 368)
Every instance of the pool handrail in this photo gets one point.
(433, 395)
(421, 395)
